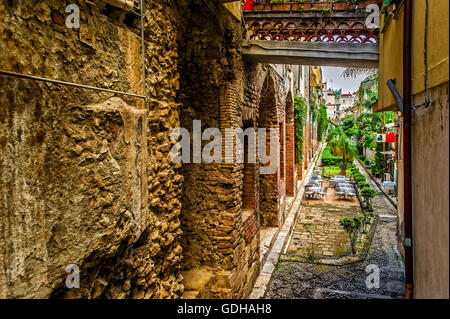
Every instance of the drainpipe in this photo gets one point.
(126, 5)
(407, 57)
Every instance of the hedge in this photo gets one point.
(330, 160)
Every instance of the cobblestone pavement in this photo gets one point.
(293, 279)
(321, 222)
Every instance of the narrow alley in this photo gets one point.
(224, 149)
(317, 280)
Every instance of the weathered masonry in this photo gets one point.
(86, 175)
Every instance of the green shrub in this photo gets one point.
(368, 193)
(363, 184)
(374, 170)
(360, 177)
(330, 160)
(354, 170)
(351, 225)
(333, 170)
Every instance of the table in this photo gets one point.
(346, 185)
(389, 185)
(315, 181)
(337, 179)
(347, 191)
(315, 190)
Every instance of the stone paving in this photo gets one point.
(306, 280)
(318, 233)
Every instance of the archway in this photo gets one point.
(268, 183)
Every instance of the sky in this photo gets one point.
(332, 75)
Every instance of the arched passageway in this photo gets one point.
(268, 183)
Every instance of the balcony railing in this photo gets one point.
(324, 6)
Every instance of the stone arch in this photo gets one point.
(249, 171)
(268, 184)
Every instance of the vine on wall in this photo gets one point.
(300, 109)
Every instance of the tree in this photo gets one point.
(368, 193)
(340, 144)
(351, 225)
(363, 184)
(366, 219)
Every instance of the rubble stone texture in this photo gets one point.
(86, 176)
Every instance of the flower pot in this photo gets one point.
(295, 6)
(343, 6)
(261, 7)
(281, 7)
(305, 6)
(365, 3)
(322, 5)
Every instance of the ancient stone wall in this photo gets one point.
(86, 177)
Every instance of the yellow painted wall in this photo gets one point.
(438, 50)
(391, 50)
(391, 61)
(430, 141)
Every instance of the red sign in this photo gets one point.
(390, 138)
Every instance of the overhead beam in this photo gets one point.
(273, 15)
(360, 55)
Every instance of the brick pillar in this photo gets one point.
(290, 159)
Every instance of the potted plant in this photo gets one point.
(263, 6)
(305, 5)
(295, 5)
(362, 4)
(344, 5)
(280, 5)
(322, 5)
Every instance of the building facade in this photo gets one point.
(426, 241)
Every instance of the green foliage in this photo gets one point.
(354, 171)
(368, 193)
(389, 117)
(379, 159)
(366, 219)
(351, 225)
(330, 160)
(368, 91)
(314, 112)
(341, 145)
(373, 170)
(333, 170)
(348, 125)
(300, 108)
(322, 121)
(363, 184)
(360, 177)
